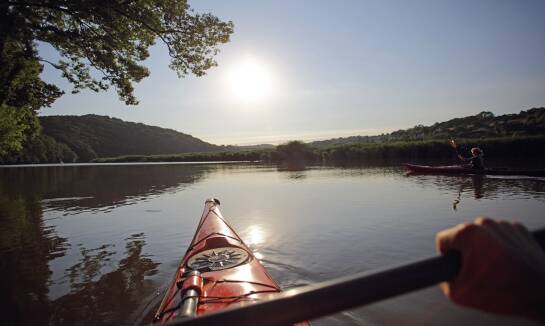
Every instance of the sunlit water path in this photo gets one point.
(98, 244)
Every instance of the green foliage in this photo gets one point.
(93, 136)
(298, 152)
(423, 150)
(102, 43)
(21, 140)
(16, 126)
(294, 151)
(90, 137)
(40, 149)
(248, 156)
(20, 83)
(482, 125)
(103, 139)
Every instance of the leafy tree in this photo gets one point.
(101, 43)
(40, 149)
(20, 83)
(295, 151)
(111, 37)
(16, 125)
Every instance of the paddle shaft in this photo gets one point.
(325, 298)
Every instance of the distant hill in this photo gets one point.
(482, 125)
(88, 137)
(91, 136)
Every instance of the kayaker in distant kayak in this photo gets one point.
(476, 161)
(503, 268)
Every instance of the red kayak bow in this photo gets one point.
(217, 272)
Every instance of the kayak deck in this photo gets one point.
(228, 273)
(459, 169)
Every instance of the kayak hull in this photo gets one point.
(459, 169)
(229, 273)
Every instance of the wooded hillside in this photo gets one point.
(86, 138)
(91, 136)
(482, 125)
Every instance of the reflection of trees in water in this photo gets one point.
(88, 268)
(116, 296)
(296, 170)
(26, 247)
(97, 187)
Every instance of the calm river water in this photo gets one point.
(98, 244)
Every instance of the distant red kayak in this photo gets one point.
(459, 169)
(218, 271)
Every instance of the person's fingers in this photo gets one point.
(458, 238)
(445, 240)
(514, 236)
(485, 221)
(529, 244)
(492, 253)
(525, 235)
(465, 236)
(497, 229)
(462, 238)
(446, 288)
(521, 229)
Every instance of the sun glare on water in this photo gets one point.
(254, 235)
(250, 81)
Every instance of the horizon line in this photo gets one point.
(280, 138)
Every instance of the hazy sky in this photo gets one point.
(340, 68)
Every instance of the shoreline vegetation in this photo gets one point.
(395, 151)
(101, 139)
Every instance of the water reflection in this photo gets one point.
(292, 166)
(254, 235)
(116, 297)
(481, 187)
(28, 244)
(73, 189)
(129, 225)
(26, 247)
(474, 183)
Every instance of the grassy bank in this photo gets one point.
(419, 151)
(495, 148)
(186, 157)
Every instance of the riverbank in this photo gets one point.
(250, 156)
(417, 151)
(92, 138)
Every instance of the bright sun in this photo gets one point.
(250, 81)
